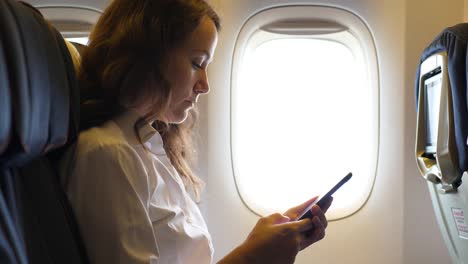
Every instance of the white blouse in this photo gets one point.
(130, 202)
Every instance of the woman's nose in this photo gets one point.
(203, 85)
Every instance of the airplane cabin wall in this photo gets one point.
(95, 4)
(465, 11)
(397, 224)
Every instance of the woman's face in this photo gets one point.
(186, 70)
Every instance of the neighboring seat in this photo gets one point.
(39, 107)
(453, 40)
(442, 130)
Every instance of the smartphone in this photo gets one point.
(322, 200)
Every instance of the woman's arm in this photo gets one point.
(278, 239)
(109, 196)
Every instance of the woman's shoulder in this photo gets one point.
(106, 136)
(101, 148)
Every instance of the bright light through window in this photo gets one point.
(303, 117)
(80, 40)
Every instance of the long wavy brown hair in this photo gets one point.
(123, 67)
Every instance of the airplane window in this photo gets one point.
(73, 22)
(304, 110)
(80, 40)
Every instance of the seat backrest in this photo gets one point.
(453, 41)
(39, 107)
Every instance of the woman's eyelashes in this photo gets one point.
(196, 65)
(199, 62)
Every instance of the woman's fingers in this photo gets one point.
(296, 211)
(304, 232)
(313, 235)
(320, 214)
(327, 204)
(278, 218)
(301, 233)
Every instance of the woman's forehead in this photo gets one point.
(204, 37)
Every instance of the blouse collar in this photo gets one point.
(130, 122)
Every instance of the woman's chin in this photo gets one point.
(177, 119)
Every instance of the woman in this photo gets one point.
(141, 76)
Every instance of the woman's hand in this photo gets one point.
(319, 221)
(278, 238)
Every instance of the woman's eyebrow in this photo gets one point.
(206, 53)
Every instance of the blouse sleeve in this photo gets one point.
(108, 191)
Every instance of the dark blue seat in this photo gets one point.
(39, 107)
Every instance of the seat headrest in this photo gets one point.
(38, 96)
